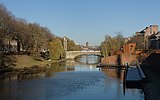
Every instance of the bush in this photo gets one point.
(56, 49)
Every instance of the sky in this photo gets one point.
(88, 20)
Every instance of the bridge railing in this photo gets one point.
(73, 54)
(85, 51)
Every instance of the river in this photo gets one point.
(71, 80)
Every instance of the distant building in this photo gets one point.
(147, 32)
(140, 33)
(152, 29)
(87, 44)
(10, 46)
(87, 47)
(154, 41)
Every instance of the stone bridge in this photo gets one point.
(74, 54)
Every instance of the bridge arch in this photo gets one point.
(74, 54)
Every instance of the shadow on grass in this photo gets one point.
(7, 63)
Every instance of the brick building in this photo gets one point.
(129, 48)
(154, 41)
(10, 46)
(147, 32)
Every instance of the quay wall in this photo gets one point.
(121, 59)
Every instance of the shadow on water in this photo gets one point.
(58, 67)
(120, 73)
(119, 65)
(33, 72)
(49, 71)
(38, 72)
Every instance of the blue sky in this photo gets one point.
(88, 20)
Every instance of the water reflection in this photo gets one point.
(71, 80)
(88, 59)
(114, 72)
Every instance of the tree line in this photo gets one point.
(30, 37)
(115, 44)
(112, 44)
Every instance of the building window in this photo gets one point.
(131, 47)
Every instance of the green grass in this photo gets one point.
(23, 61)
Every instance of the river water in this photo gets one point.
(71, 80)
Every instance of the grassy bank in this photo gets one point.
(23, 61)
(21, 65)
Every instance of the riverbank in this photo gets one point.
(24, 64)
(69, 80)
(24, 61)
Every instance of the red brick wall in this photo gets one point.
(124, 58)
(129, 48)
